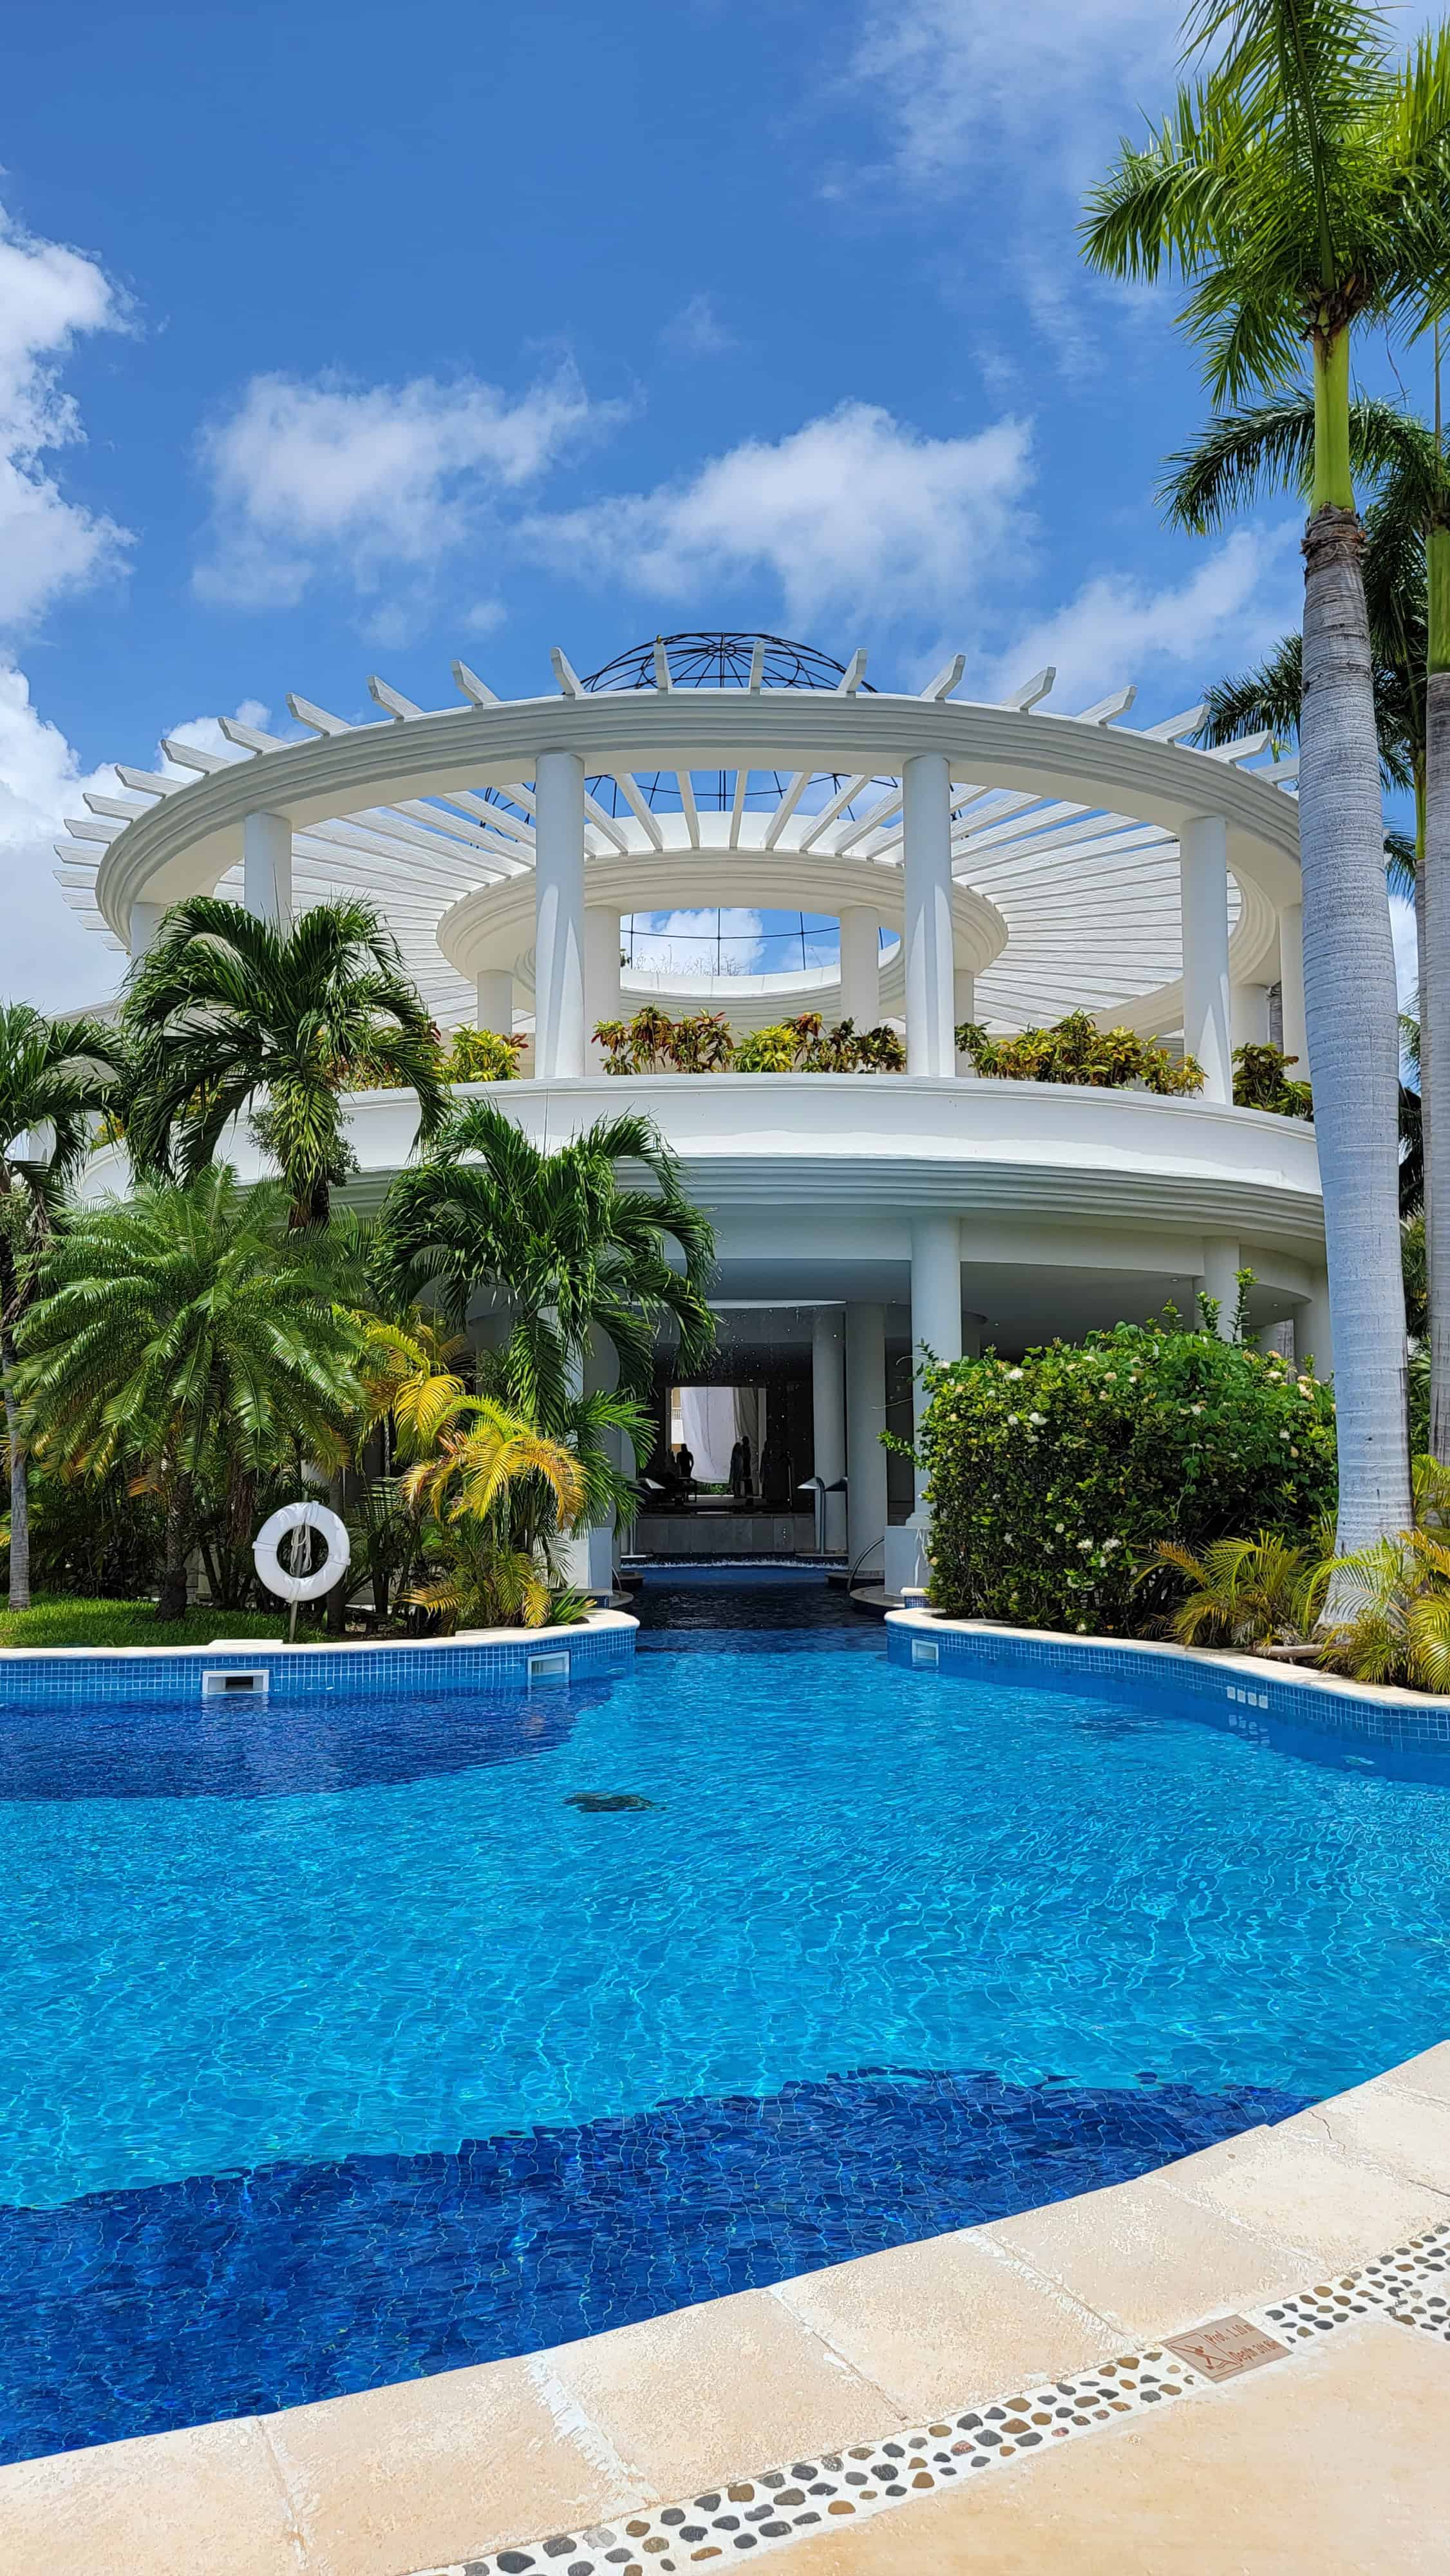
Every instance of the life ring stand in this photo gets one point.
(267, 1544)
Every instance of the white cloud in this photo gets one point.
(964, 83)
(50, 956)
(1236, 602)
(372, 480)
(49, 296)
(697, 331)
(855, 514)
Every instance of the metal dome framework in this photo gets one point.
(1064, 830)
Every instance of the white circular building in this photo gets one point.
(941, 859)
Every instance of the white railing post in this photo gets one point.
(495, 991)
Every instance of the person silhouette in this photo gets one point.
(740, 1469)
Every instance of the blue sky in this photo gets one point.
(341, 340)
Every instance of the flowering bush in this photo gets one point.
(1052, 1480)
(1078, 1051)
(482, 1055)
(653, 1043)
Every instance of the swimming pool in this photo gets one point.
(347, 2042)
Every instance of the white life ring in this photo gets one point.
(296, 1516)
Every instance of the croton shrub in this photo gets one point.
(1052, 1478)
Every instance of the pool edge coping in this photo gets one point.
(1289, 1676)
(526, 1639)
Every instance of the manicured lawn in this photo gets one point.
(58, 1620)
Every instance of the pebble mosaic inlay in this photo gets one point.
(807, 2496)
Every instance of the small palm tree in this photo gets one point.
(1392, 1604)
(1251, 1593)
(226, 1013)
(564, 1242)
(1299, 190)
(186, 1333)
(56, 1076)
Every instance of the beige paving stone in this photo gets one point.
(1291, 2182)
(710, 2392)
(1428, 2073)
(1387, 2125)
(443, 2468)
(173, 2504)
(1333, 2463)
(1150, 2260)
(946, 2321)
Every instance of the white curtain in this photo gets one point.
(707, 1422)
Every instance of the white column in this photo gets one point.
(142, 924)
(601, 973)
(927, 937)
(1203, 867)
(936, 1327)
(495, 987)
(267, 868)
(828, 1413)
(1249, 1014)
(1291, 986)
(1221, 1266)
(964, 1007)
(865, 1422)
(559, 1040)
(860, 966)
(1313, 1332)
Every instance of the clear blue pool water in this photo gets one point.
(338, 2044)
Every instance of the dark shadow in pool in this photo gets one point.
(129, 2312)
(264, 1748)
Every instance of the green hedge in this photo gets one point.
(1051, 1479)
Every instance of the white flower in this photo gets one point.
(1037, 1417)
(1059, 1526)
(1014, 1372)
(1084, 1543)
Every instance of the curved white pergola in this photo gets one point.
(1029, 862)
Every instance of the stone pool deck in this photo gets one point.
(782, 2420)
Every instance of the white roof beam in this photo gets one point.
(1103, 710)
(638, 808)
(570, 684)
(316, 719)
(248, 736)
(83, 828)
(875, 821)
(1032, 692)
(947, 678)
(1174, 728)
(148, 782)
(497, 817)
(827, 815)
(757, 666)
(187, 755)
(788, 803)
(605, 822)
(469, 685)
(127, 808)
(850, 679)
(664, 677)
(392, 701)
(742, 781)
(1248, 747)
(688, 807)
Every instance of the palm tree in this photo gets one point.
(1299, 191)
(1270, 446)
(55, 1076)
(187, 1333)
(565, 1245)
(226, 1011)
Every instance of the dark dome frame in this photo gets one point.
(715, 659)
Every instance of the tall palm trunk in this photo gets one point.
(1435, 996)
(1351, 1010)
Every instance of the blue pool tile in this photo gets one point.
(131, 2312)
